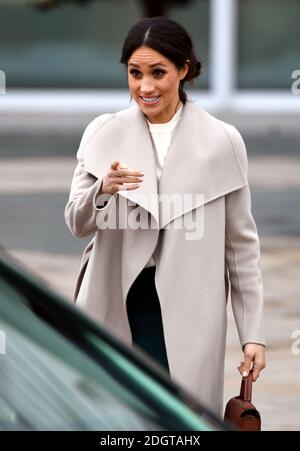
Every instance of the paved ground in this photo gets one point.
(33, 193)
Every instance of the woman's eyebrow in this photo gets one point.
(150, 65)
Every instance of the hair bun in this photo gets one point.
(194, 70)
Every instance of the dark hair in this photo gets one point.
(168, 38)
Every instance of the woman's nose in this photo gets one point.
(146, 87)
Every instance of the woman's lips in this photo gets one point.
(145, 102)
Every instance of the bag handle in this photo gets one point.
(246, 387)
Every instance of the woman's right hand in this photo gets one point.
(120, 177)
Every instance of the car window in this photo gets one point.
(49, 383)
(39, 391)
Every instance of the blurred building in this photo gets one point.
(62, 63)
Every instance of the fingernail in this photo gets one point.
(245, 373)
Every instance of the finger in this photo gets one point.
(257, 368)
(114, 164)
(255, 374)
(122, 166)
(240, 367)
(247, 364)
(122, 187)
(126, 173)
(120, 180)
(128, 187)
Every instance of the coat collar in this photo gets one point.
(200, 160)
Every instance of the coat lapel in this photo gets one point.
(125, 137)
(200, 163)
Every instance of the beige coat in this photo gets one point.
(193, 277)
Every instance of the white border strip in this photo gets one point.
(98, 101)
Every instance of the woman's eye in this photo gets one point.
(159, 72)
(134, 72)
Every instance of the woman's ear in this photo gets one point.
(185, 69)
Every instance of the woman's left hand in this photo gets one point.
(254, 358)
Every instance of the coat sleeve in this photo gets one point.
(83, 207)
(242, 255)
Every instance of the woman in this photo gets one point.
(145, 278)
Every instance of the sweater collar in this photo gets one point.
(166, 126)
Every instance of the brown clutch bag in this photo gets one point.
(240, 411)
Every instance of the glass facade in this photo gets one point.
(268, 43)
(76, 46)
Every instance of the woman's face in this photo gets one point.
(154, 77)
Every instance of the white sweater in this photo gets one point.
(162, 136)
